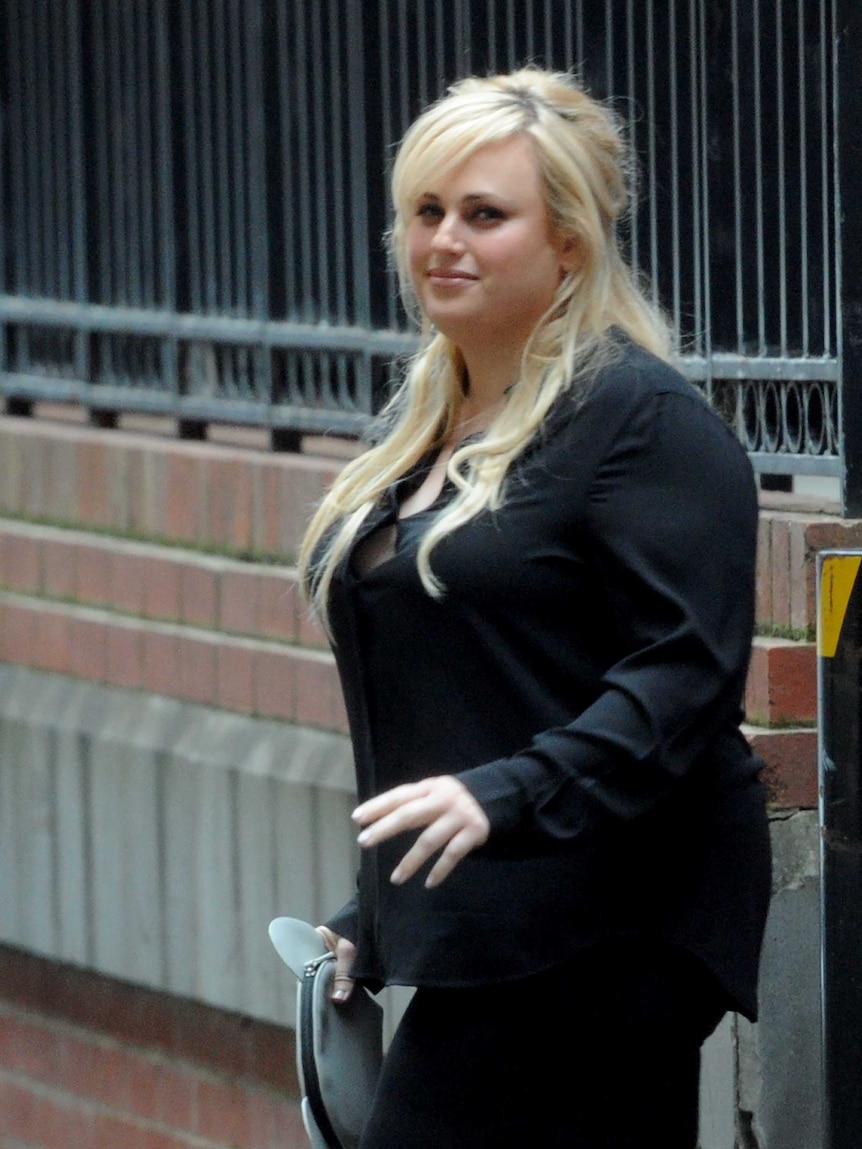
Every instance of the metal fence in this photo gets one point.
(192, 197)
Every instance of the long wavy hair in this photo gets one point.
(587, 174)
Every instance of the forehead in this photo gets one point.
(507, 168)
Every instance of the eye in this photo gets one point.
(486, 214)
(429, 211)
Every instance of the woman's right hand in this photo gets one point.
(345, 952)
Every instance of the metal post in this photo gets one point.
(848, 103)
(840, 685)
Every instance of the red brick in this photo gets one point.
(229, 491)
(185, 509)
(51, 640)
(123, 645)
(780, 566)
(317, 692)
(174, 1096)
(127, 574)
(790, 758)
(309, 627)
(148, 482)
(93, 574)
(277, 594)
(59, 568)
(61, 481)
(222, 1112)
(802, 577)
(44, 1121)
(12, 494)
(267, 507)
(274, 1123)
(235, 677)
(764, 570)
(22, 565)
(160, 654)
(161, 587)
(25, 1046)
(782, 683)
(238, 599)
(92, 503)
(274, 684)
(87, 648)
(198, 675)
(198, 594)
(18, 634)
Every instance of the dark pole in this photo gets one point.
(840, 673)
(848, 152)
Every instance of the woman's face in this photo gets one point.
(480, 251)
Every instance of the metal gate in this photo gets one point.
(192, 196)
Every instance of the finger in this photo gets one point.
(342, 983)
(456, 850)
(433, 839)
(385, 803)
(411, 816)
(330, 937)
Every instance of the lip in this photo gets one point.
(442, 274)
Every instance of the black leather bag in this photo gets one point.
(339, 1048)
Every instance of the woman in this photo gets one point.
(539, 584)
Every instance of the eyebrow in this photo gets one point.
(471, 197)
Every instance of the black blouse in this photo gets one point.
(583, 676)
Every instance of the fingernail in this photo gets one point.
(364, 837)
(395, 878)
(340, 995)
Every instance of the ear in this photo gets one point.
(570, 253)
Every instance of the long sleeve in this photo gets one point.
(671, 518)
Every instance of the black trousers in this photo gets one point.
(600, 1053)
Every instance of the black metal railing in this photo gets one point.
(192, 197)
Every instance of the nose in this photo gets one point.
(447, 234)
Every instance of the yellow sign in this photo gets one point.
(837, 577)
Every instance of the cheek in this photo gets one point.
(416, 247)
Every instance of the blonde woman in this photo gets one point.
(539, 586)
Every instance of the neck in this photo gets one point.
(490, 373)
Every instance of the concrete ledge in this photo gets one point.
(153, 840)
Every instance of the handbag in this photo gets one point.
(339, 1048)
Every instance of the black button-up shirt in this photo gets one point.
(583, 676)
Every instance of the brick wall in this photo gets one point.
(165, 566)
(90, 1063)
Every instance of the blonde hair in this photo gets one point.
(586, 172)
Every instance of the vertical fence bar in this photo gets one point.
(652, 153)
(758, 179)
(633, 113)
(358, 167)
(699, 54)
(828, 111)
(802, 113)
(165, 241)
(781, 160)
(697, 177)
(189, 189)
(285, 34)
(320, 119)
(738, 219)
(78, 232)
(676, 254)
(848, 104)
